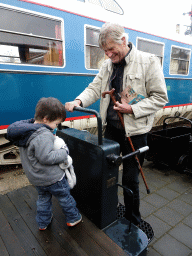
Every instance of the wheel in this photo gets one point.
(183, 163)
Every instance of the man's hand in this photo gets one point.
(123, 107)
(69, 106)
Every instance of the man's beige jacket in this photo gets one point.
(144, 74)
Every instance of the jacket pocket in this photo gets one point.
(133, 80)
(136, 82)
(135, 76)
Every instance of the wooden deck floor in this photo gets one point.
(19, 234)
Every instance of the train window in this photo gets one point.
(179, 64)
(31, 39)
(94, 56)
(153, 47)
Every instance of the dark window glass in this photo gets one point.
(151, 47)
(92, 37)
(28, 24)
(182, 54)
(36, 39)
(179, 64)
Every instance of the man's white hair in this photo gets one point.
(113, 31)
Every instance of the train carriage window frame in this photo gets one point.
(35, 40)
(146, 47)
(94, 55)
(179, 65)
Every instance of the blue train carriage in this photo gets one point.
(50, 48)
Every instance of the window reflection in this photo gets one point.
(179, 61)
(94, 55)
(9, 54)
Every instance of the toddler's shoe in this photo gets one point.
(42, 229)
(75, 222)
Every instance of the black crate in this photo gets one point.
(168, 145)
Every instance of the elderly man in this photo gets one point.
(140, 89)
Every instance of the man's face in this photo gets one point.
(116, 52)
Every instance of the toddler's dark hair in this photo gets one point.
(51, 108)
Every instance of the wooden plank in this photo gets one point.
(80, 234)
(20, 228)
(29, 196)
(3, 250)
(66, 241)
(85, 240)
(64, 229)
(96, 235)
(82, 240)
(9, 238)
(102, 239)
(47, 241)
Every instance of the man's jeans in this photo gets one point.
(61, 191)
(130, 177)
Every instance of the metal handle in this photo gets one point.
(165, 124)
(117, 160)
(99, 122)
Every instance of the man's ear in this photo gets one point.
(124, 41)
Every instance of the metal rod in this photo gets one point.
(138, 151)
(130, 192)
